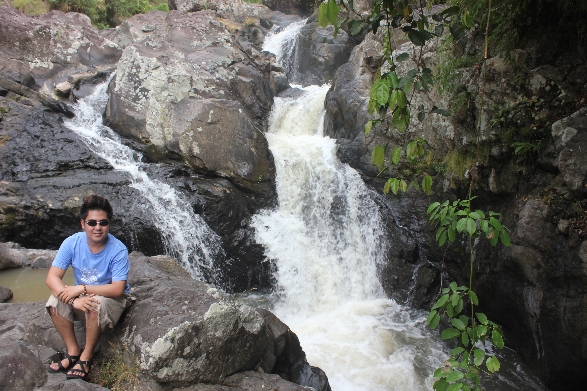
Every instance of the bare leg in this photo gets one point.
(65, 329)
(93, 333)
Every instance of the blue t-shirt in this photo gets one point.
(109, 265)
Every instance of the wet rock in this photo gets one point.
(321, 52)
(5, 294)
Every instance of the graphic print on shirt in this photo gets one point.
(89, 275)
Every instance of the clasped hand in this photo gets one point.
(85, 303)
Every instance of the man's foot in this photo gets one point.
(62, 365)
(81, 370)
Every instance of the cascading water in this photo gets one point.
(326, 240)
(187, 236)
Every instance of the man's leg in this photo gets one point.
(65, 329)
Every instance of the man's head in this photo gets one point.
(95, 202)
(95, 215)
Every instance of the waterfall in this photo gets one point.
(186, 235)
(283, 43)
(326, 239)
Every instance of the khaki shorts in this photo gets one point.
(109, 309)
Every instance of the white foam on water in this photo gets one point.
(186, 235)
(325, 238)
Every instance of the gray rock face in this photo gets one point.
(45, 51)
(181, 332)
(20, 368)
(570, 135)
(179, 88)
(317, 54)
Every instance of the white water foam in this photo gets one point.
(325, 238)
(283, 44)
(187, 236)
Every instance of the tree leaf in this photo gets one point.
(455, 387)
(454, 299)
(458, 324)
(396, 155)
(387, 186)
(462, 224)
(427, 188)
(356, 27)
(459, 306)
(403, 185)
(465, 339)
(492, 364)
(394, 185)
(482, 318)
(440, 385)
(332, 11)
(323, 15)
(442, 239)
(473, 298)
(450, 333)
(378, 156)
(417, 37)
(496, 224)
(402, 57)
(456, 351)
(368, 127)
(497, 339)
(433, 206)
(381, 92)
(454, 376)
(471, 226)
(434, 322)
(479, 356)
(453, 286)
(443, 299)
(505, 239)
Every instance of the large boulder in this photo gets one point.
(186, 89)
(46, 51)
(180, 331)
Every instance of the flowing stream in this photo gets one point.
(326, 240)
(186, 235)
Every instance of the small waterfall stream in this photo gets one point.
(187, 236)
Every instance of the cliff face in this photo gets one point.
(530, 168)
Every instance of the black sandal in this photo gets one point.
(81, 373)
(72, 361)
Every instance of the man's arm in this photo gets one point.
(54, 280)
(114, 289)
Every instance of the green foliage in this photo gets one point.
(466, 359)
(31, 7)
(456, 218)
(109, 13)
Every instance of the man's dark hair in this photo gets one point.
(95, 202)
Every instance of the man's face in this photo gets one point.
(96, 234)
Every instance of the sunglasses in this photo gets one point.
(93, 223)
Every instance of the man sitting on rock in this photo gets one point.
(100, 294)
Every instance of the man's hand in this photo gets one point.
(69, 292)
(86, 303)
